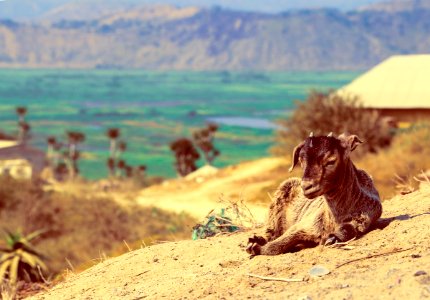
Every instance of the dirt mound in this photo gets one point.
(392, 261)
(200, 174)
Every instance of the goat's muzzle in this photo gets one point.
(310, 188)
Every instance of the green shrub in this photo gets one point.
(323, 113)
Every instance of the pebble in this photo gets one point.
(319, 271)
(420, 273)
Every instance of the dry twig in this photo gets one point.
(372, 256)
(276, 278)
(343, 245)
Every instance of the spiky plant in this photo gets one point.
(19, 260)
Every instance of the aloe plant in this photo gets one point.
(19, 260)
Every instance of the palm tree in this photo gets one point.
(203, 138)
(113, 134)
(51, 153)
(186, 156)
(121, 166)
(122, 146)
(129, 170)
(110, 163)
(74, 138)
(23, 127)
(21, 111)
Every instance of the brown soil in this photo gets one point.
(218, 267)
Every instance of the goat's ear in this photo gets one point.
(296, 153)
(349, 142)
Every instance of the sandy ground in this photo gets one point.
(219, 267)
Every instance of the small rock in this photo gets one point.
(420, 273)
(415, 256)
(344, 286)
(305, 297)
(155, 259)
(319, 271)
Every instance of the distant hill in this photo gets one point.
(164, 37)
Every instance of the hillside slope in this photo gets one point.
(197, 196)
(218, 268)
(169, 38)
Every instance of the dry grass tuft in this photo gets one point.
(241, 215)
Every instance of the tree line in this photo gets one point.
(62, 157)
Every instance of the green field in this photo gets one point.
(154, 108)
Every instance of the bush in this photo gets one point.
(323, 113)
(408, 155)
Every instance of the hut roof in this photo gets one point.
(400, 82)
(10, 150)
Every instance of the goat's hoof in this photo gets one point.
(257, 240)
(253, 249)
(331, 240)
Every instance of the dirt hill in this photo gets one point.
(390, 262)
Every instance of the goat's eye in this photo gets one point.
(330, 162)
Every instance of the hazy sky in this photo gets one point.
(256, 5)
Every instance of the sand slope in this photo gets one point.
(217, 268)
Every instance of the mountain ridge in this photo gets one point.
(171, 38)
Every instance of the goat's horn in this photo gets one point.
(311, 134)
(330, 134)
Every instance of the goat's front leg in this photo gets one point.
(293, 237)
(349, 229)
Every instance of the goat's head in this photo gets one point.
(323, 160)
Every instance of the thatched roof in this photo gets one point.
(400, 82)
(10, 150)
